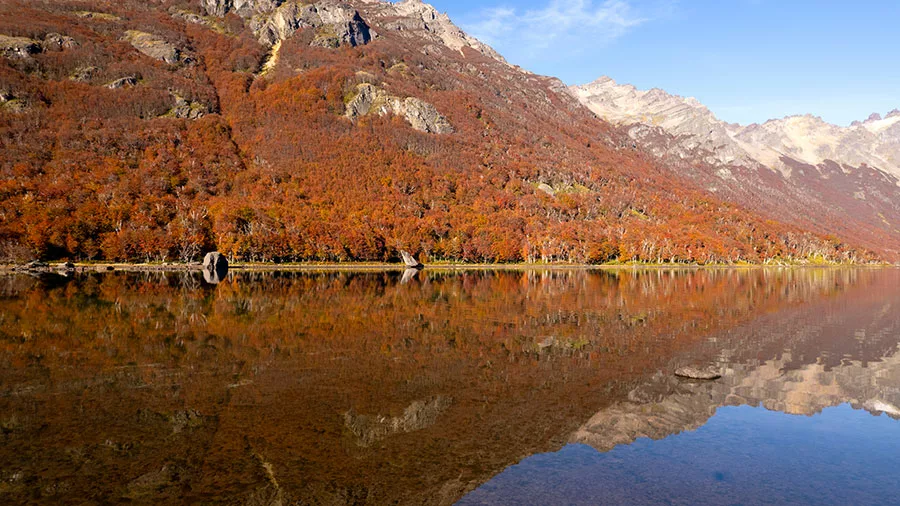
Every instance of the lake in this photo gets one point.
(530, 386)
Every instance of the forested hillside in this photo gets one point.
(281, 131)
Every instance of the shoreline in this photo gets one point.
(101, 267)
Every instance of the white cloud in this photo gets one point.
(532, 33)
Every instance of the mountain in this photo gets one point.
(799, 169)
(808, 139)
(281, 131)
(686, 118)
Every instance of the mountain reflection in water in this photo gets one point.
(353, 388)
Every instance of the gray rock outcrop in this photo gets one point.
(243, 8)
(84, 74)
(18, 47)
(421, 115)
(188, 109)
(335, 25)
(155, 47)
(57, 42)
(425, 117)
(123, 82)
(272, 21)
(414, 18)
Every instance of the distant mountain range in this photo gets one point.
(807, 139)
(823, 172)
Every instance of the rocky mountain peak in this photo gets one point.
(417, 18)
(685, 118)
(806, 138)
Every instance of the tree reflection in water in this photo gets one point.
(343, 387)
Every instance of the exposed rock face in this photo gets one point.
(417, 19)
(155, 47)
(188, 17)
(97, 15)
(243, 8)
(334, 24)
(18, 47)
(424, 117)
(421, 115)
(84, 74)
(57, 42)
(13, 104)
(185, 109)
(124, 82)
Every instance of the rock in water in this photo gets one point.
(700, 373)
(410, 261)
(215, 267)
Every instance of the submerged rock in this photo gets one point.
(699, 373)
(419, 415)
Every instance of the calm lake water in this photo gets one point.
(469, 387)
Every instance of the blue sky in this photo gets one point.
(747, 60)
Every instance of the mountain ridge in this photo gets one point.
(625, 104)
(237, 125)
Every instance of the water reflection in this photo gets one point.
(351, 388)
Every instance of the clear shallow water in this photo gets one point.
(380, 388)
(742, 455)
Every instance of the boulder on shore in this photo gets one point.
(215, 261)
(215, 267)
(411, 261)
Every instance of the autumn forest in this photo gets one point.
(108, 153)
